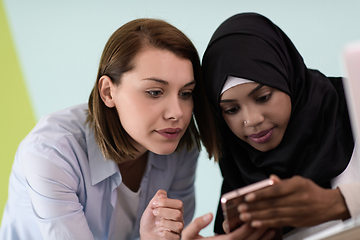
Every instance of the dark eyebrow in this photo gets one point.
(255, 89)
(190, 83)
(166, 82)
(227, 100)
(157, 80)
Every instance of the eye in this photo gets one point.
(154, 93)
(186, 95)
(264, 98)
(231, 110)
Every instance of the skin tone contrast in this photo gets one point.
(296, 202)
(266, 111)
(247, 232)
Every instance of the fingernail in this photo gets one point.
(242, 208)
(256, 224)
(250, 197)
(207, 217)
(162, 195)
(157, 223)
(155, 212)
(156, 203)
(245, 216)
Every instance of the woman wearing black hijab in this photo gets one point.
(276, 116)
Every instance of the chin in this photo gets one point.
(164, 150)
(265, 148)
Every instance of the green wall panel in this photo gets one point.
(16, 115)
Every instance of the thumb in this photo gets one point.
(160, 193)
(147, 214)
(275, 178)
(193, 229)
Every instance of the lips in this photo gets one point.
(262, 137)
(169, 133)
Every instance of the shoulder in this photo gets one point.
(58, 135)
(67, 122)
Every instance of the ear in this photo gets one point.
(105, 86)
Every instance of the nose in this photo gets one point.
(252, 116)
(173, 110)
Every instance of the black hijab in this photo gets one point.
(318, 142)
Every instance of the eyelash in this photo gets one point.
(158, 93)
(154, 93)
(261, 99)
(267, 97)
(232, 110)
(187, 95)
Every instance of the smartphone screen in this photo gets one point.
(231, 200)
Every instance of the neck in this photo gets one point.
(132, 171)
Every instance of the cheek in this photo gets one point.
(235, 125)
(281, 111)
(187, 108)
(132, 111)
(286, 111)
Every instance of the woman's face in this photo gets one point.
(154, 100)
(266, 111)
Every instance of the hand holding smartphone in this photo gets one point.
(231, 200)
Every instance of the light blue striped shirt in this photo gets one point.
(61, 187)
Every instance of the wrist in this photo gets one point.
(339, 209)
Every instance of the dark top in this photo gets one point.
(318, 142)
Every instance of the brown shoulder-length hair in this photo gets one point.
(117, 58)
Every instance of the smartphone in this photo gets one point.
(231, 200)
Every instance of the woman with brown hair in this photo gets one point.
(122, 166)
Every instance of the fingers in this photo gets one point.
(275, 178)
(250, 233)
(296, 202)
(270, 234)
(225, 226)
(279, 222)
(160, 194)
(170, 226)
(168, 213)
(164, 234)
(280, 189)
(191, 232)
(167, 204)
(193, 229)
(163, 218)
(261, 233)
(274, 216)
(274, 204)
(167, 209)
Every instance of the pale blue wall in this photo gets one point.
(59, 45)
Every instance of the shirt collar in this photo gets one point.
(100, 167)
(158, 161)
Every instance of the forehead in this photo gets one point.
(153, 63)
(244, 89)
